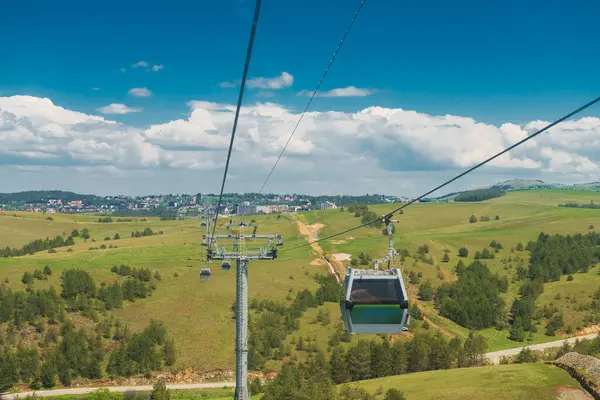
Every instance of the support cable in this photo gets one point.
(335, 53)
(391, 213)
(237, 110)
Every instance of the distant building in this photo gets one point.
(246, 210)
(327, 205)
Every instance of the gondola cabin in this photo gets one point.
(374, 301)
(205, 273)
(226, 265)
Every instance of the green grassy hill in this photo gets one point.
(516, 381)
(198, 315)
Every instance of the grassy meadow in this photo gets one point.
(445, 226)
(197, 312)
(513, 381)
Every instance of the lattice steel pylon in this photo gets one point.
(390, 257)
(240, 254)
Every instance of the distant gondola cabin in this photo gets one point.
(205, 273)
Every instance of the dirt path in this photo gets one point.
(312, 233)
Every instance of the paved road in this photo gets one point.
(494, 356)
(59, 392)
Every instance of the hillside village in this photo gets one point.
(179, 205)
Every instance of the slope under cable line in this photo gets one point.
(239, 106)
(391, 213)
(335, 53)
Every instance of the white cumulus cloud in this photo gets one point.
(157, 68)
(279, 82)
(228, 84)
(374, 150)
(140, 64)
(140, 92)
(349, 91)
(118, 108)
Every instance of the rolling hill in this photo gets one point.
(197, 314)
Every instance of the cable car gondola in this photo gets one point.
(205, 273)
(374, 300)
(226, 265)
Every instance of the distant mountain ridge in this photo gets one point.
(524, 184)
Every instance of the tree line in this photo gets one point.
(480, 194)
(474, 300)
(315, 378)
(145, 232)
(271, 322)
(366, 215)
(577, 205)
(67, 353)
(79, 293)
(551, 257)
(556, 255)
(37, 245)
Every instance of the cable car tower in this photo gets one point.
(375, 300)
(242, 256)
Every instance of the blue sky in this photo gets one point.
(495, 62)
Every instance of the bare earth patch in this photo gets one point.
(318, 261)
(566, 393)
(342, 256)
(587, 330)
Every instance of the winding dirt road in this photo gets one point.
(312, 233)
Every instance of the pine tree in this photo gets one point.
(349, 392)
(65, 375)
(386, 367)
(359, 361)
(47, 377)
(8, 371)
(516, 332)
(394, 394)
(445, 258)
(338, 365)
(399, 361)
(169, 352)
(28, 363)
(300, 344)
(160, 391)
